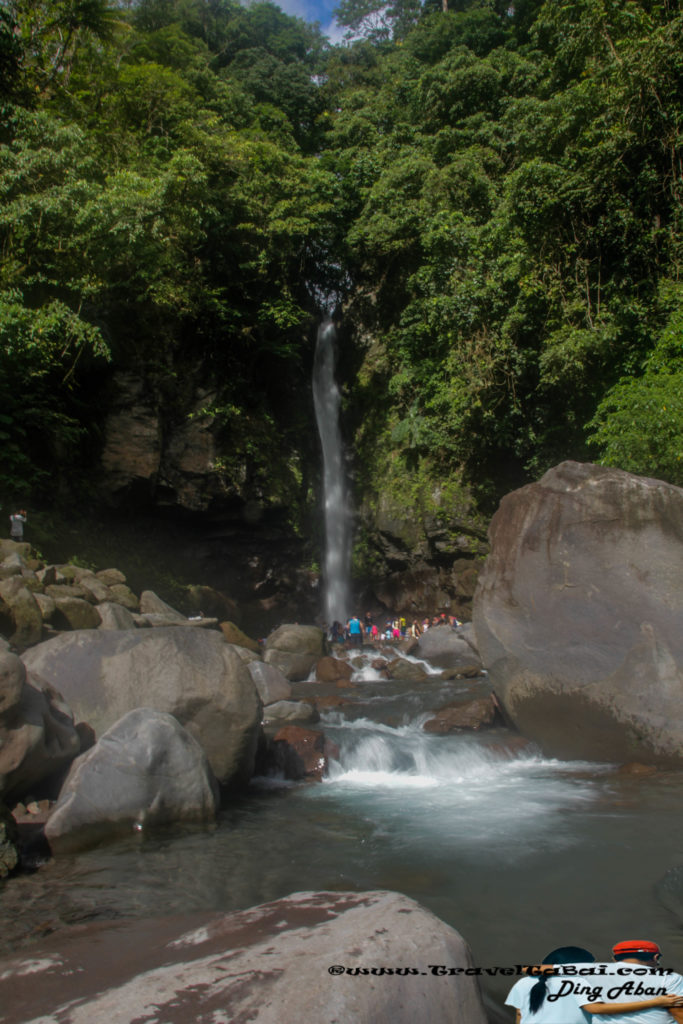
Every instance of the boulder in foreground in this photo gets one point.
(281, 961)
(578, 614)
(145, 771)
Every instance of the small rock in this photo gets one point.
(75, 613)
(635, 768)
(474, 715)
(234, 635)
(152, 604)
(114, 616)
(111, 577)
(329, 670)
(123, 595)
(290, 711)
(300, 753)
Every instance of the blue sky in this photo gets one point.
(315, 10)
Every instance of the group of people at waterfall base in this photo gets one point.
(355, 632)
(570, 987)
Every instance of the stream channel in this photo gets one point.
(519, 852)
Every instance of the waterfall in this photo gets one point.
(327, 401)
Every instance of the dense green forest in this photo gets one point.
(491, 196)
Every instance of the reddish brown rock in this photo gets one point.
(300, 753)
(265, 965)
(330, 670)
(331, 702)
(475, 714)
(635, 768)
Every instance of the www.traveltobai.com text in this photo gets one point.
(519, 970)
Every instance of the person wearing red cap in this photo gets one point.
(557, 995)
(644, 992)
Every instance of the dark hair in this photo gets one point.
(563, 955)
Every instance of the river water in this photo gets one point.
(519, 852)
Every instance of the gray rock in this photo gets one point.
(49, 576)
(155, 620)
(466, 633)
(67, 590)
(95, 590)
(245, 654)
(399, 668)
(11, 566)
(37, 733)
(442, 647)
(578, 614)
(9, 838)
(122, 594)
(151, 604)
(290, 711)
(12, 679)
(269, 681)
(114, 616)
(144, 771)
(264, 965)
(74, 613)
(110, 577)
(295, 650)
(192, 674)
(20, 610)
(12, 547)
(47, 606)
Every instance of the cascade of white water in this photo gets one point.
(327, 400)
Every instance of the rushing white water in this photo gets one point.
(327, 400)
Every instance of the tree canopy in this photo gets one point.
(491, 192)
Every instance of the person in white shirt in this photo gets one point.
(636, 975)
(556, 997)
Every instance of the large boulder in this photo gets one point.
(295, 959)
(578, 614)
(37, 734)
(191, 674)
(295, 650)
(444, 647)
(144, 771)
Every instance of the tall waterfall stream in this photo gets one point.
(518, 852)
(327, 401)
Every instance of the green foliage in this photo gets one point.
(40, 353)
(639, 423)
(492, 192)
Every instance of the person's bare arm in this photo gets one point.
(674, 1004)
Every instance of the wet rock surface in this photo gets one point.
(267, 964)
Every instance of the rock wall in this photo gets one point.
(578, 614)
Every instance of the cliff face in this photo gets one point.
(419, 539)
(148, 457)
